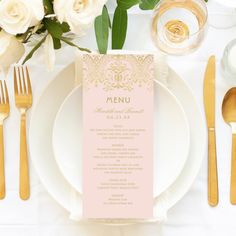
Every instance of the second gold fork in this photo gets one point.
(23, 101)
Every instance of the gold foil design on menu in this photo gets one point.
(125, 73)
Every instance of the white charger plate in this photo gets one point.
(171, 142)
(41, 128)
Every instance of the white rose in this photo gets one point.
(16, 16)
(79, 14)
(11, 50)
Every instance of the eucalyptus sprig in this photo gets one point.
(119, 23)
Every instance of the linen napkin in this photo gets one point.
(160, 206)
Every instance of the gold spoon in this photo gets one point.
(229, 115)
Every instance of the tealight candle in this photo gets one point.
(232, 57)
(228, 62)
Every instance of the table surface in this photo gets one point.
(41, 215)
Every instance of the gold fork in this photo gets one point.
(4, 113)
(23, 101)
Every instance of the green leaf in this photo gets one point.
(119, 28)
(102, 30)
(67, 41)
(148, 4)
(126, 4)
(48, 6)
(54, 28)
(65, 27)
(36, 47)
(56, 43)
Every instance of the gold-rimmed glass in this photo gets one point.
(179, 26)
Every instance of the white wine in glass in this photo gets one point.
(179, 26)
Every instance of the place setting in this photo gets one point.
(116, 137)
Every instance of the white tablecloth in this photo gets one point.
(41, 215)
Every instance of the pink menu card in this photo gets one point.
(118, 136)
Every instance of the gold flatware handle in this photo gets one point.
(233, 172)
(24, 169)
(2, 171)
(213, 194)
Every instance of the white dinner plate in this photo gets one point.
(41, 127)
(171, 142)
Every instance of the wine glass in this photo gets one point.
(179, 26)
(222, 14)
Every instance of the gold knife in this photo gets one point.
(209, 103)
